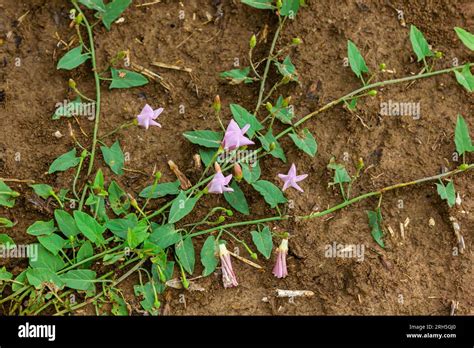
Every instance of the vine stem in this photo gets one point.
(365, 88)
(338, 206)
(268, 63)
(97, 86)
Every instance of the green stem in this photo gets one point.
(97, 86)
(267, 65)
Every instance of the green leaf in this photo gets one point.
(277, 152)
(6, 242)
(52, 243)
(114, 157)
(44, 259)
(375, 223)
(419, 44)
(68, 110)
(237, 76)
(284, 113)
(113, 10)
(206, 155)
(122, 78)
(185, 252)
(42, 190)
(260, 4)
(287, 69)
(461, 137)
(4, 274)
(161, 190)
(465, 78)
(243, 117)
(466, 37)
(237, 199)
(208, 256)
(263, 241)
(39, 276)
(118, 199)
(5, 223)
(149, 302)
(79, 279)
(89, 226)
(64, 162)
(340, 173)
(73, 59)
(7, 195)
(356, 61)
(41, 228)
(290, 8)
(164, 235)
(447, 192)
(21, 278)
(66, 223)
(272, 194)
(204, 138)
(119, 306)
(137, 234)
(97, 5)
(251, 172)
(181, 207)
(85, 251)
(120, 227)
(307, 143)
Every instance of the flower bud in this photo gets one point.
(121, 55)
(238, 172)
(229, 212)
(72, 84)
(382, 66)
(269, 106)
(286, 101)
(217, 104)
(220, 219)
(438, 54)
(286, 79)
(253, 41)
(84, 153)
(79, 18)
(360, 164)
(272, 146)
(217, 167)
(372, 93)
(296, 41)
(279, 4)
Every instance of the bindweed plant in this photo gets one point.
(98, 222)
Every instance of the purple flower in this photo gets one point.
(291, 178)
(148, 116)
(219, 183)
(234, 136)
(280, 270)
(228, 275)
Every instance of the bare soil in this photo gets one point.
(414, 275)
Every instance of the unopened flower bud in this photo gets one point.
(121, 55)
(382, 66)
(372, 93)
(157, 176)
(269, 106)
(72, 84)
(79, 18)
(360, 164)
(217, 104)
(279, 4)
(253, 41)
(286, 101)
(238, 172)
(286, 79)
(229, 212)
(438, 54)
(296, 41)
(272, 146)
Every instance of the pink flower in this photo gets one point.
(280, 270)
(148, 116)
(219, 183)
(291, 178)
(228, 275)
(234, 136)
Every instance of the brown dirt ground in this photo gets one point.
(423, 268)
